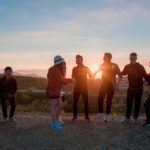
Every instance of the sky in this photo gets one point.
(32, 32)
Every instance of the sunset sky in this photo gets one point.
(32, 32)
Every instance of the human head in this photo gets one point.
(133, 57)
(8, 71)
(58, 60)
(79, 60)
(107, 57)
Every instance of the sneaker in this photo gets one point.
(146, 124)
(100, 116)
(87, 118)
(74, 118)
(56, 127)
(4, 120)
(107, 118)
(126, 120)
(135, 121)
(60, 120)
(12, 119)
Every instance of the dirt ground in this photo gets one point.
(32, 132)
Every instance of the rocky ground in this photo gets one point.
(32, 132)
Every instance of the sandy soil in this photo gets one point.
(32, 132)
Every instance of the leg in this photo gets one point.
(53, 110)
(101, 99)
(110, 94)
(4, 107)
(130, 96)
(76, 96)
(86, 104)
(138, 97)
(147, 109)
(12, 107)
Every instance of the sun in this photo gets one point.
(94, 68)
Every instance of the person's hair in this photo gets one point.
(8, 68)
(79, 56)
(62, 68)
(109, 55)
(133, 54)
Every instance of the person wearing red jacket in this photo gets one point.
(56, 80)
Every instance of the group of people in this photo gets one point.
(109, 84)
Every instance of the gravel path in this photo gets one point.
(32, 132)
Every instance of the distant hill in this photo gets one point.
(26, 82)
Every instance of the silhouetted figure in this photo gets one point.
(80, 73)
(108, 85)
(8, 88)
(56, 80)
(136, 73)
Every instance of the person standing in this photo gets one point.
(8, 89)
(56, 80)
(136, 73)
(80, 73)
(108, 85)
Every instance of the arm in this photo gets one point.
(15, 88)
(118, 72)
(124, 72)
(145, 75)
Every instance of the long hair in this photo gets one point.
(62, 67)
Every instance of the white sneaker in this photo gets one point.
(107, 118)
(60, 120)
(12, 119)
(100, 116)
(4, 120)
(135, 120)
(126, 120)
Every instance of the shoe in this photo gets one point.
(87, 118)
(60, 120)
(146, 124)
(126, 120)
(12, 119)
(107, 118)
(100, 116)
(56, 127)
(135, 121)
(4, 120)
(74, 118)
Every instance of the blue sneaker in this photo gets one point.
(146, 124)
(56, 127)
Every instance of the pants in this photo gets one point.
(4, 107)
(133, 94)
(147, 109)
(76, 96)
(109, 91)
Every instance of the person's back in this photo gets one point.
(54, 78)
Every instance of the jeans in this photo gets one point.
(4, 107)
(134, 94)
(109, 92)
(76, 96)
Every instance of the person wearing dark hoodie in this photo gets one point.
(8, 89)
(135, 73)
